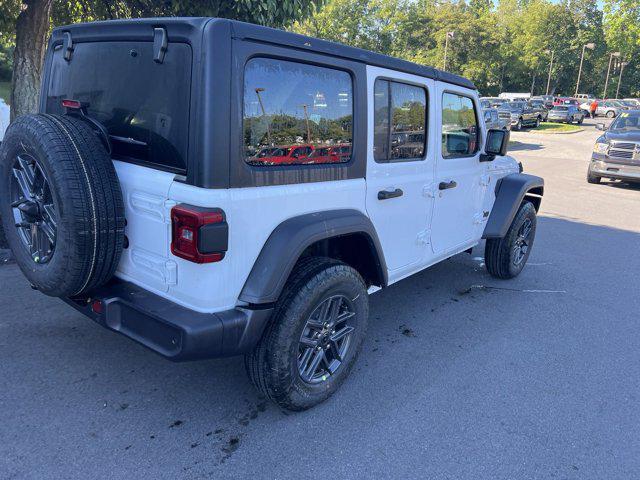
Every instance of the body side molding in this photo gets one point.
(289, 240)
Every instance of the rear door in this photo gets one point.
(459, 173)
(400, 166)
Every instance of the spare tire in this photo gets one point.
(60, 204)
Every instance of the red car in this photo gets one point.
(565, 101)
(283, 155)
(336, 154)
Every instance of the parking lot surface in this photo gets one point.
(461, 376)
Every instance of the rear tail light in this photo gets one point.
(198, 234)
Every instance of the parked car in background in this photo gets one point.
(547, 100)
(565, 101)
(566, 114)
(522, 115)
(616, 154)
(492, 102)
(609, 108)
(287, 155)
(585, 96)
(515, 97)
(493, 119)
(628, 104)
(636, 101)
(539, 107)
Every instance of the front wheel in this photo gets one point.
(314, 336)
(518, 126)
(506, 257)
(591, 178)
(537, 122)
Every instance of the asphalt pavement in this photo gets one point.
(461, 377)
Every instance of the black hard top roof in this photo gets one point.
(186, 26)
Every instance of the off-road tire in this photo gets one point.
(86, 195)
(499, 252)
(272, 365)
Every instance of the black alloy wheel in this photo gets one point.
(522, 242)
(325, 339)
(33, 208)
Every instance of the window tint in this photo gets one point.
(459, 126)
(399, 121)
(144, 105)
(296, 113)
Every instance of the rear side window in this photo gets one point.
(143, 104)
(459, 126)
(399, 130)
(292, 110)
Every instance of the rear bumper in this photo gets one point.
(173, 331)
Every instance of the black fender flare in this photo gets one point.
(289, 240)
(510, 191)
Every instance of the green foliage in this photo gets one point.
(501, 46)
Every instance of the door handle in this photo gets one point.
(447, 185)
(386, 194)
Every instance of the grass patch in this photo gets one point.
(552, 127)
(5, 91)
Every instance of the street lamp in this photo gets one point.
(446, 47)
(606, 82)
(622, 65)
(550, 67)
(590, 46)
(264, 113)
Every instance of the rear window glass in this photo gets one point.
(296, 114)
(143, 104)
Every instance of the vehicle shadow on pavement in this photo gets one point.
(449, 339)
(621, 185)
(517, 146)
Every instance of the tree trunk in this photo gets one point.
(32, 30)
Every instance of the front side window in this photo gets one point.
(400, 113)
(296, 114)
(459, 126)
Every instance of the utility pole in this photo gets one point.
(306, 118)
(606, 82)
(622, 65)
(264, 113)
(590, 46)
(550, 67)
(446, 47)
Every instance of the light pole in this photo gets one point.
(446, 47)
(606, 82)
(550, 67)
(590, 46)
(622, 65)
(264, 113)
(306, 119)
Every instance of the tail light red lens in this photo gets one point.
(198, 234)
(67, 103)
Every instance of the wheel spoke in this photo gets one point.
(344, 316)
(336, 303)
(309, 342)
(313, 365)
(48, 231)
(340, 334)
(335, 350)
(28, 171)
(23, 183)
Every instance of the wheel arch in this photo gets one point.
(347, 235)
(511, 191)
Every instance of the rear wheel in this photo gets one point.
(314, 336)
(611, 114)
(506, 257)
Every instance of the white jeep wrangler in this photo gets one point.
(212, 188)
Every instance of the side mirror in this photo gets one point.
(496, 144)
(601, 126)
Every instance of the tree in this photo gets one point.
(622, 30)
(31, 21)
